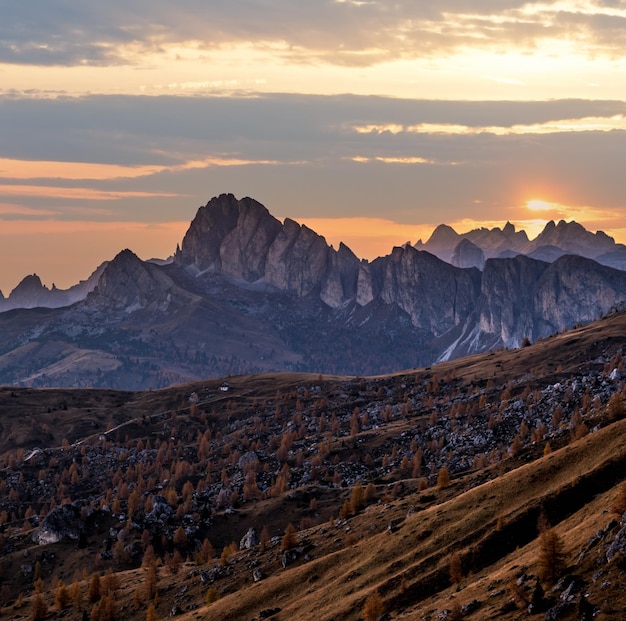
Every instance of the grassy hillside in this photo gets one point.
(432, 488)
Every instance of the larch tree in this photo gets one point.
(551, 556)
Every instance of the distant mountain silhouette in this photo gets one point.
(553, 242)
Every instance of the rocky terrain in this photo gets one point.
(433, 492)
(246, 293)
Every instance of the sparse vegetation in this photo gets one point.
(373, 608)
(299, 449)
(551, 556)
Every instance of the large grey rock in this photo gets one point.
(61, 523)
(242, 240)
(127, 283)
(250, 539)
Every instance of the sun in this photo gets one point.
(539, 205)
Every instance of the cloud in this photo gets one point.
(32, 169)
(342, 33)
(421, 161)
(13, 211)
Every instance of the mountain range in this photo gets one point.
(247, 293)
(471, 249)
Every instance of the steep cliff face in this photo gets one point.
(298, 260)
(575, 290)
(203, 240)
(242, 240)
(506, 307)
(523, 297)
(436, 295)
(468, 254)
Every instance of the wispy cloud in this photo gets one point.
(28, 169)
(48, 191)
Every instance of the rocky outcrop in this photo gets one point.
(242, 240)
(468, 254)
(435, 295)
(130, 284)
(61, 523)
(250, 539)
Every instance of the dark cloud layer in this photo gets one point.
(161, 130)
(319, 164)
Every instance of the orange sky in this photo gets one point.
(369, 121)
(35, 248)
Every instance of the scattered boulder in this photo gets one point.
(250, 539)
(470, 607)
(289, 557)
(559, 611)
(619, 545)
(61, 523)
(176, 610)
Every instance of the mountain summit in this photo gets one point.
(242, 240)
(247, 293)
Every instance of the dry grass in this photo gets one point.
(491, 524)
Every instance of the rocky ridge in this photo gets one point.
(32, 293)
(556, 240)
(246, 293)
(513, 299)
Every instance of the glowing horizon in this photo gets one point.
(353, 116)
(368, 238)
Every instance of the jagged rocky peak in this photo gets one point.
(29, 293)
(131, 284)
(230, 235)
(468, 254)
(242, 240)
(573, 238)
(443, 234)
(509, 229)
(441, 243)
(29, 284)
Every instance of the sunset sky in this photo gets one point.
(370, 121)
